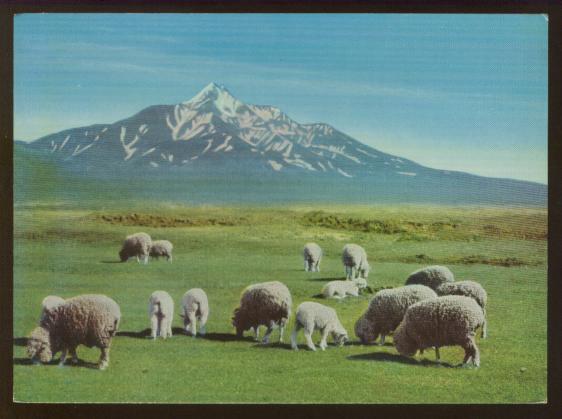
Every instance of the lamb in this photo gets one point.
(138, 245)
(161, 248)
(386, 310)
(312, 254)
(469, 289)
(268, 304)
(311, 316)
(431, 276)
(161, 314)
(195, 306)
(91, 320)
(340, 289)
(48, 304)
(442, 321)
(355, 261)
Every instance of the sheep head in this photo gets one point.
(340, 337)
(39, 345)
(365, 331)
(123, 255)
(405, 345)
(240, 322)
(364, 270)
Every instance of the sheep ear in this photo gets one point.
(181, 315)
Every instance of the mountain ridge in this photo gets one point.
(217, 136)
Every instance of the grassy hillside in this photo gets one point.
(70, 247)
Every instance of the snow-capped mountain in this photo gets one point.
(216, 130)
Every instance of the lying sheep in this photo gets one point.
(468, 289)
(137, 245)
(442, 321)
(91, 320)
(340, 289)
(386, 310)
(312, 254)
(48, 304)
(431, 276)
(161, 248)
(195, 306)
(161, 313)
(355, 261)
(311, 316)
(268, 304)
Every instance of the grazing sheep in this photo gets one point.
(442, 321)
(355, 261)
(469, 289)
(161, 248)
(340, 289)
(138, 245)
(48, 304)
(312, 254)
(91, 320)
(268, 304)
(431, 276)
(311, 316)
(195, 306)
(161, 313)
(386, 310)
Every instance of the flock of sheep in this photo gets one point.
(430, 311)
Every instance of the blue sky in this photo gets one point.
(458, 92)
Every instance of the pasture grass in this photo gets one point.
(69, 249)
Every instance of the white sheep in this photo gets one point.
(340, 289)
(136, 245)
(431, 276)
(195, 306)
(268, 304)
(469, 289)
(161, 314)
(311, 316)
(386, 310)
(161, 248)
(312, 254)
(442, 321)
(354, 259)
(91, 320)
(48, 304)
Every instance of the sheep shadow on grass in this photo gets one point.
(178, 331)
(272, 345)
(384, 356)
(20, 341)
(55, 362)
(368, 345)
(111, 261)
(226, 337)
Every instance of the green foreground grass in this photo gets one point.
(66, 251)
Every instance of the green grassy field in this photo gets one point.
(68, 250)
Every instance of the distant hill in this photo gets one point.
(215, 148)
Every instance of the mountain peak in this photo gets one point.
(217, 95)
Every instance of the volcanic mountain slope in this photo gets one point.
(215, 131)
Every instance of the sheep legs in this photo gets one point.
(471, 353)
(192, 324)
(323, 341)
(256, 332)
(294, 337)
(63, 356)
(308, 338)
(154, 326)
(381, 342)
(437, 355)
(484, 328)
(104, 359)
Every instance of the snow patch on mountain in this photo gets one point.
(275, 165)
(344, 173)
